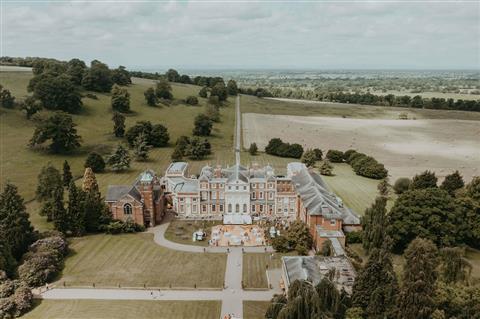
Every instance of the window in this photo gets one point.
(127, 209)
(182, 209)
(261, 208)
(204, 208)
(214, 185)
(260, 195)
(194, 210)
(270, 195)
(270, 185)
(236, 188)
(180, 199)
(229, 187)
(244, 208)
(253, 208)
(254, 195)
(254, 185)
(213, 208)
(214, 195)
(229, 208)
(244, 188)
(221, 185)
(333, 222)
(204, 196)
(221, 208)
(222, 196)
(261, 185)
(194, 200)
(237, 208)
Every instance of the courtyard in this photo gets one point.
(237, 235)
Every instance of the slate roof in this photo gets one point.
(115, 192)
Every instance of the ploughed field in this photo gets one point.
(406, 147)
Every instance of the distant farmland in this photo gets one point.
(406, 147)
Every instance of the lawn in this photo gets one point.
(132, 260)
(255, 309)
(21, 165)
(181, 231)
(255, 266)
(357, 192)
(125, 309)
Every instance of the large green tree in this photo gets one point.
(452, 182)
(75, 69)
(60, 130)
(15, 228)
(426, 179)
(232, 88)
(98, 77)
(49, 180)
(374, 223)
(119, 160)
(76, 210)
(428, 213)
(120, 99)
(415, 300)
(57, 93)
(163, 90)
(202, 125)
(150, 97)
(121, 76)
(219, 90)
(67, 174)
(118, 124)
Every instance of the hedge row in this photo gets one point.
(364, 165)
(278, 148)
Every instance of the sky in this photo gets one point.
(247, 34)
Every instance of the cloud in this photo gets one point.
(258, 34)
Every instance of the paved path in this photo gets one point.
(232, 296)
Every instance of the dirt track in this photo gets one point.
(406, 147)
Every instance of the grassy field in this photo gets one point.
(255, 309)
(21, 165)
(125, 309)
(181, 231)
(255, 266)
(133, 260)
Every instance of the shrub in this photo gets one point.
(401, 185)
(318, 154)
(335, 156)
(347, 154)
(354, 237)
(277, 147)
(119, 227)
(326, 168)
(95, 162)
(253, 149)
(367, 166)
(280, 244)
(424, 180)
(191, 100)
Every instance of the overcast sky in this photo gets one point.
(425, 35)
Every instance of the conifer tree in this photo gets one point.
(95, 210)
(415, 300)
(7, 262)
(118, 124)
(89, 181)
(49, 180)
(15, 228)
(383, 187)
(61, 220)
(454, 267)
(376, 287)
(75, 210)
(326, 168)
(374, 223)
(141, 148)
(67, 174)
(426, 179)
(119, 160)
(452, 182)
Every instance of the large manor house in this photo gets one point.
(238, 195)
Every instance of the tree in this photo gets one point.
(118, 124)
(191, 100)
(141, 148)
(253, 149)
(15, 229)
(119, 160)
(213, 112)
(150, 97)
(454, 266)
(172, 75)
(426, 179)
(376, 287)
(232, 88)
(220, 90)
(214, 100)
(121, 76)
(7, 262)
(197, 149)
(57, 93)
(202, 125)
(95, 211)
(177, 154)
(60, 129)
(309, 158)
(415, 300)
(60, 218)
(95, 162)
(98, 78)
(31, 106)
(335, 156)
(428, 213)
(299, 237)
(452, 182)
(374, 223)
(6, 99)
(120, 99)
(75, 210)
(49, 180)
(75, 69)
(67, 174)
(383, 187)
(203, 92)
(473, 189)
(318, 154)
(326, 168)
(163, 90)
(156, 135)
(401, 185)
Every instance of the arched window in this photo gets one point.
(244, 208)
(127, 209)
(237, 208)
(229, 208)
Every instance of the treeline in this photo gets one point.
(372, 99)
(361, 163)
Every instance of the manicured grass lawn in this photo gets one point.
(255, 309)
(125, 309)
(181, 231)
(21, 165)
(255, 266)
(133, 260)
(357, 192)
